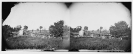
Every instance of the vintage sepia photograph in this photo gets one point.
(66, 26)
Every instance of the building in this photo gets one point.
(21, 32)
(39, 33)
(81, 33)
(103, 34)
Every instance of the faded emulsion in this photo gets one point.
(6, 8)
(67, 26)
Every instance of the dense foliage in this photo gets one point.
(120, 29)
(56, 30)
(7, 31)
(86, 28)
(77, 29)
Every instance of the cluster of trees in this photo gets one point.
(40, 28)
(77, 29)
(56, 30)
(7, 30)
(120, 29)
(59, 29)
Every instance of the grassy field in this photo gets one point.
(98, 43)
(27, 42)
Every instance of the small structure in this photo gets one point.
(94, 34)
(103, 37)
(91, 35)
(20, 32)
(81, 32)
(32, 35)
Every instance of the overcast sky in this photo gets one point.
(36, 14)
(92, 15)
(95, 15)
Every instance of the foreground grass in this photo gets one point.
(98, 44)
(27, 42)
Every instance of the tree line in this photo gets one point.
(119, 29)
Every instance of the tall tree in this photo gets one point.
(101, 29)
(40, 28)
(86, 28)
(86, 32)
(57, 29)
(113, 30)
(120, 29)
(25, 29)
